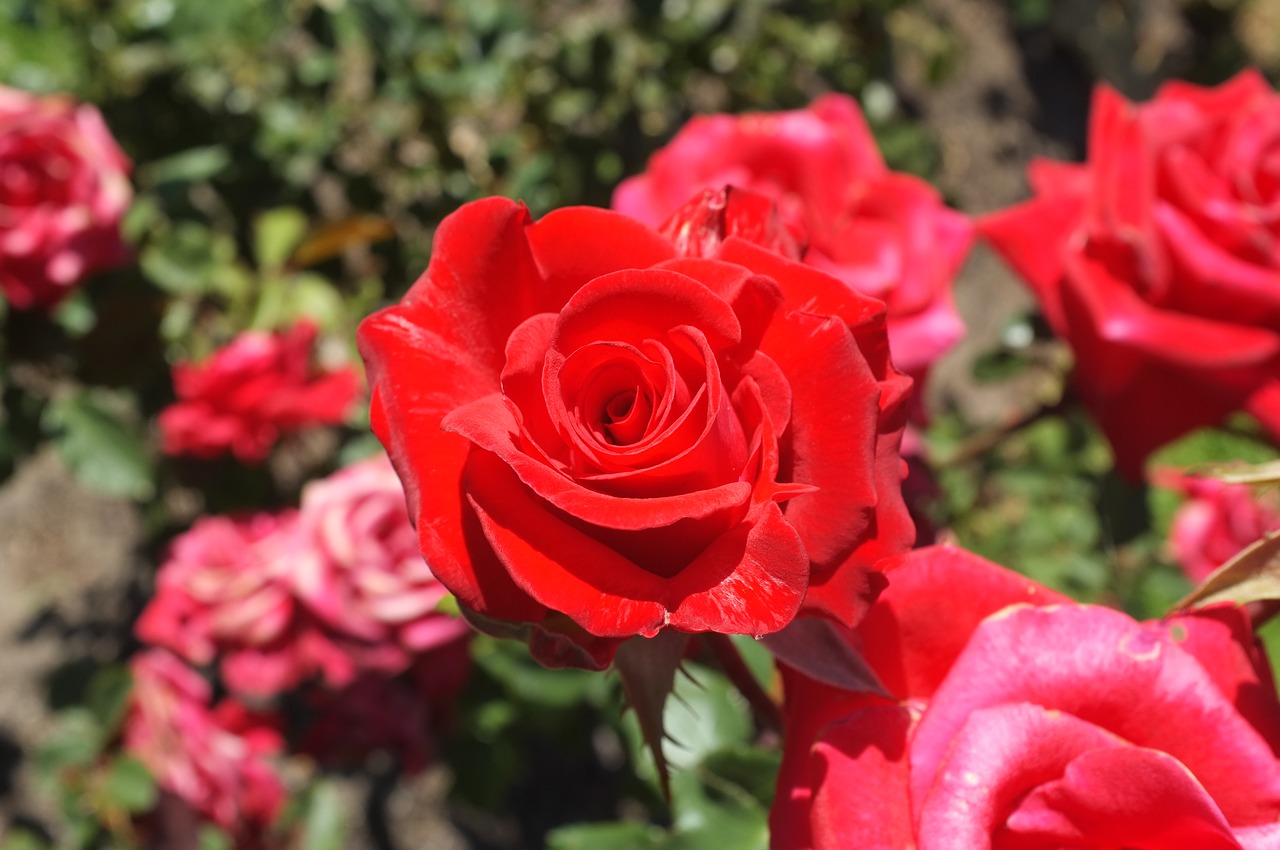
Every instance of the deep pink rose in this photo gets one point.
(1216, 521)
(333, 589)
(247, 394)
(886, 234)
(601, 438)
(1158, 260)
(63, 189)
(215, 758)
(1019, 719)
(398, 715)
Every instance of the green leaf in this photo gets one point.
(1210, 445)
(276, 233)
(751, 768)
(622, 835)
(102, 451)
(22, 839)
(190, 166)
(213, 838)
(76, 741)
(1251, 576)
(108, 695)
(129, 785)
(708, 814)
(323, 825)
(707, 714)
(75, 314)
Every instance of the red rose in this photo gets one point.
(247, 394)
(1019, 719)
(886, 234)
(1159, 261)
(601, 438)
(63, 189)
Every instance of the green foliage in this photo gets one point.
(101, 442)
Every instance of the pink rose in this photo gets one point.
(331, 590)
(1158, 260)
(63, 190)
(225, 595)
(247, 394)
(1216, 522)
(360, 570)
(1020, 719)
(215, 759)
(886, 234)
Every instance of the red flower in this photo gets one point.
(886, 234)
(214, 758)
(247, 394)
(1020, 719)
(603, 438)
(1159, 260)
(63, 189)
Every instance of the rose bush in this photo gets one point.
(1158, 260)
(601, 438)
(1016, 718)
(1216, 521)
(64, 187)
(215, 758)
(886, 234)
(247, 394)
(330, 590)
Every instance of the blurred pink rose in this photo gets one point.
(359, 567)
(886, 234)
(331, 590)
(1216, 522)
(225, 595)
(247, 394)
(63, 190)
(215, 759)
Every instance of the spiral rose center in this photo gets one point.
(625, 417)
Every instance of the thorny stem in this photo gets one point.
(766, 710)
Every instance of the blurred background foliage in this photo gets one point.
(292, 158)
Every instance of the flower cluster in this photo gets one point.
(610, 433)
(64, 188)
(245, 396)
(333, 598)
(328, 590)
